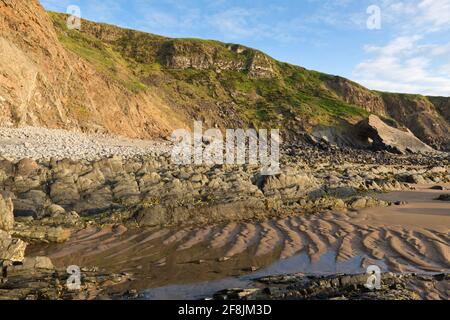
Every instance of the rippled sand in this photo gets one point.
(407, 238)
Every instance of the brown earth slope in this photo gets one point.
(108, 79)
(43, 84)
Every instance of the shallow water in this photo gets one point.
(189, 263)
(296, 264)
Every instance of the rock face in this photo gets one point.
(427, 117)
(200, 55)
(392, 139)
(6, 214)
(34, 66)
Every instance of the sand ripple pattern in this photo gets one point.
(400, 249)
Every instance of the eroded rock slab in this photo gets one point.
(44, 283)
(342, 287)
(392, 139)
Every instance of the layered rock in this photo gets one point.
(389, 138)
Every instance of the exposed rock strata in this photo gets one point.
(385, 137)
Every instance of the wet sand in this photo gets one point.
(414, 237)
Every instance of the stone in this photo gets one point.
(339, 204)
(26, 208)
(359, 203)
(342, 192)
(153, 216)
(444, 197)
(38, 263)
(58, 234)
(126, 190)
(6, 214)
(26, 167)
(90, 180)
(11, 249)
(54, 210)
(64, 192)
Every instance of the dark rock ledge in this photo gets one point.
(342, 287)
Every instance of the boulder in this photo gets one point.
(358, 203)
(26, 167)
(64, 192)
(11, 249)
(54, 210)
(38, 263)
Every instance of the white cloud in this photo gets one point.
(238, 23)
(420, 15)
(412, 61)
(403, 65)
(435, 14)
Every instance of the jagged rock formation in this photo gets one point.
(109, 79)
(151, 190)
(385, 137)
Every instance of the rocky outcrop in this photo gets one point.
(51, 197)
(426, 117)
(35, 280)
(356, 94)
(341, 287)
(385, 137)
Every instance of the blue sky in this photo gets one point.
(410, 52)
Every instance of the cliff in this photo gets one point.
(109, 79)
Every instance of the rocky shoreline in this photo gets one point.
(47, 200)
(150, 191)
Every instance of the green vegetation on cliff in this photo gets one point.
(266, 91)
(229, 83)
